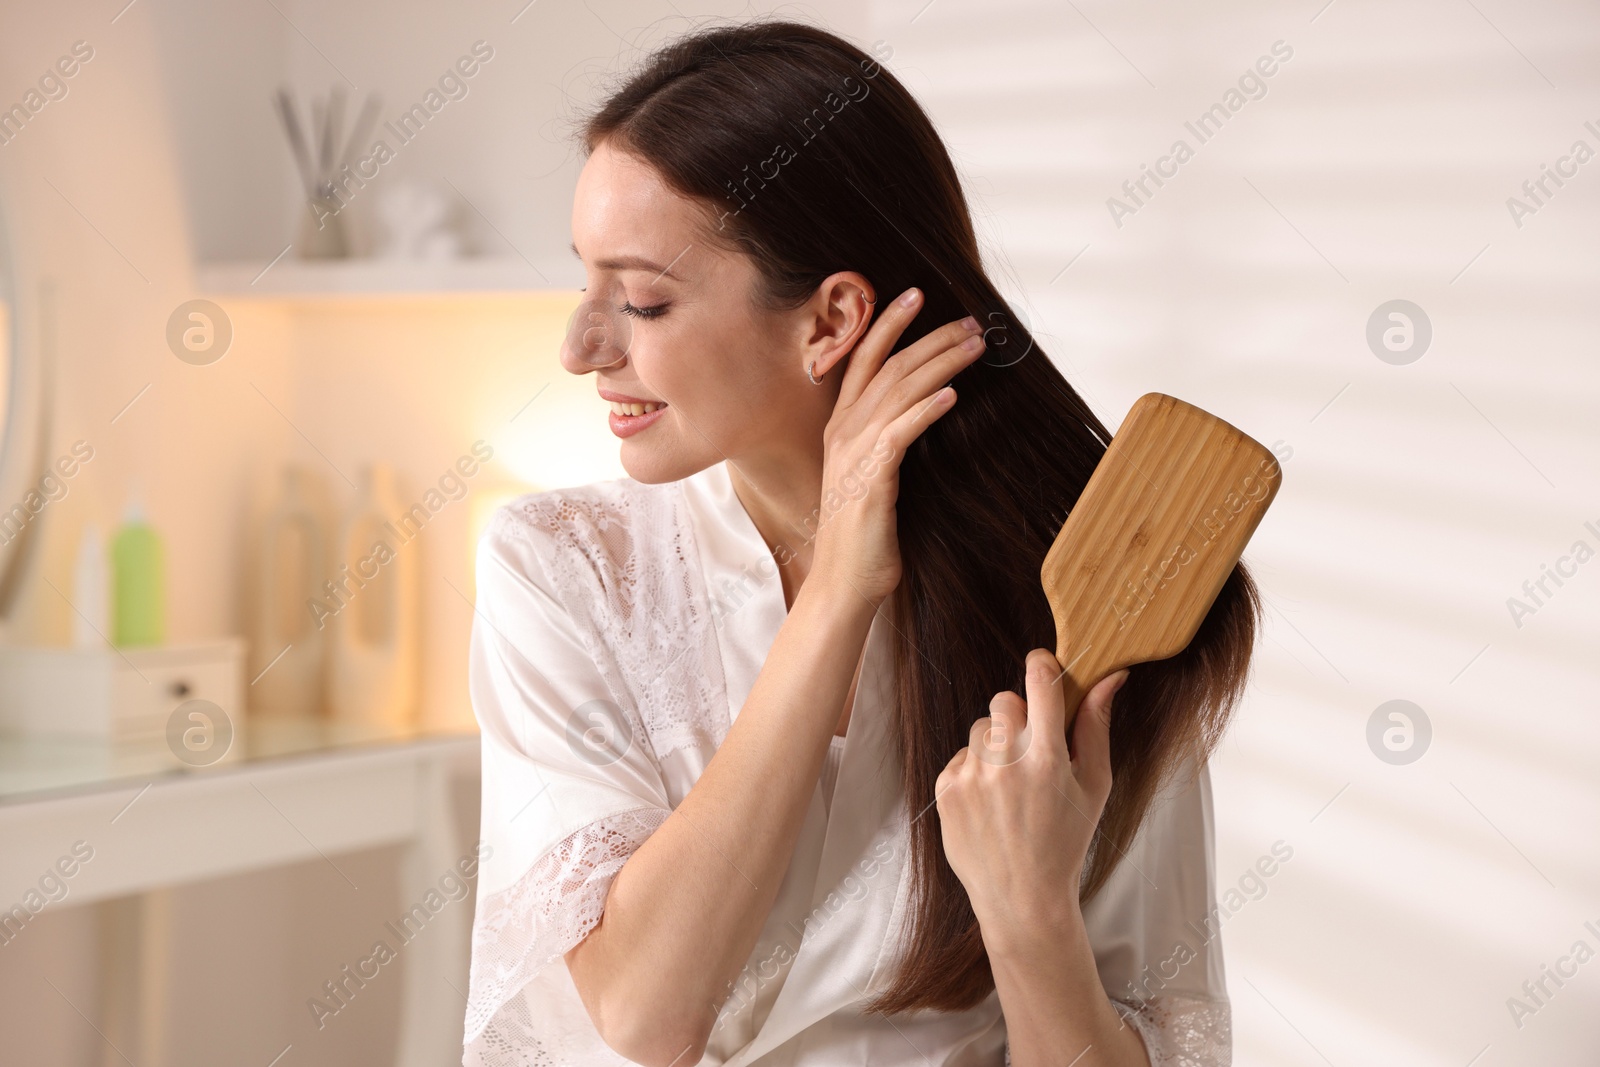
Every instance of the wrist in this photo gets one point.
(1020, 935)
(838, 593)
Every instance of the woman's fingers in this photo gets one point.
(872, 375)
(916, 371)
(1002, 736)
(924, 381)
(946, 776)
(899, 434)
(1047, 706)
(1091, 736)
(914, 402)
(874, 346)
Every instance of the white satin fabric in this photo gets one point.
(619, 629)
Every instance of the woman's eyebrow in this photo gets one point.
(631, 263)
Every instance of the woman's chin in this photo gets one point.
(651, 464)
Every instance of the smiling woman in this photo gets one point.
(679, 793)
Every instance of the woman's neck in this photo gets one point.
(783, 500)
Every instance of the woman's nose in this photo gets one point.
(598, 336)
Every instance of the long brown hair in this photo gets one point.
(812, 158)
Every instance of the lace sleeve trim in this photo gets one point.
(547, 911)
(1182, 1031)
(1178, 1031)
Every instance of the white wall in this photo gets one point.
(1418, 498)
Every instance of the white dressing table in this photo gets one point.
(288, 791)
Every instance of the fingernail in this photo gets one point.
(969, 323)
(1120, 681)
(908, 298)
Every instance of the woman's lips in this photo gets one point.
(628, 425)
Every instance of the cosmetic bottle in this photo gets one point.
(373, 666)
(289, 616)
(91, 622)
(138, 582)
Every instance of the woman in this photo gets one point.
(757, 788)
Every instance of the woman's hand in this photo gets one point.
(884, 404)
(1017, 810)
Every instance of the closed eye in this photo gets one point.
(628, 308)
(652, 312)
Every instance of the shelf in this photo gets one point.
(36, 766)
(345, 278)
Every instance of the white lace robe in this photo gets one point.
(619, 629)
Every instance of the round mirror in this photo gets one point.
(23, 490)
(8, 327)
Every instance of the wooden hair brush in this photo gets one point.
(1153, 536)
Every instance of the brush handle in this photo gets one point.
(1081, 669)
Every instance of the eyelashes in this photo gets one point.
(655, 311)
(630, 309)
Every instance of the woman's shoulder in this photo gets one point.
(594, 532)
(593, 505)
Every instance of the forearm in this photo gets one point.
(684, 912)
(1056, 1011)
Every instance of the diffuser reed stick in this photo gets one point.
(320, 159)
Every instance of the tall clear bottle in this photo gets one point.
(288, 624)
(374, 648)
(91, 591)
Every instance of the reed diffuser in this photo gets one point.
(321, 162)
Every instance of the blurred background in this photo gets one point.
(1363, 232)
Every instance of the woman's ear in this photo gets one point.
(835, 320)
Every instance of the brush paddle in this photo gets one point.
(1155, 533)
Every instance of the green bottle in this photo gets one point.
(138, 582)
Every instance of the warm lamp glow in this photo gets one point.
(481, 504)
(562, 439)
